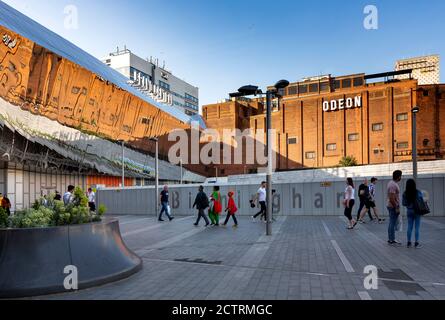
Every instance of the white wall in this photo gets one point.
(309, 198)
(23, 187)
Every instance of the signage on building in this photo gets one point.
(340, 104)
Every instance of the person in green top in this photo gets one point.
(215, 207)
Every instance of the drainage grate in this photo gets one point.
(402, 282)
(199, 261)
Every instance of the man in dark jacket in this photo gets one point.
(201, 203)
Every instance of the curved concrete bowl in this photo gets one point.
(32, 261)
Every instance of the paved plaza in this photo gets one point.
(306, 258)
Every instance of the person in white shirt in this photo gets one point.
(68, 196)
(349, 201)
(91, 199)
(261, 196)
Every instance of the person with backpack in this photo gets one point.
(215, 207)
(231, 210)
(411, 198)
(201, 203)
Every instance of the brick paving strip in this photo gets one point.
(167, 242)
(156, 226)
(398, 255)
(234, 281)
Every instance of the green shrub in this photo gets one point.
(348, 161)
(47, 212)
(3, 218)
(101, 210)
(32, 218)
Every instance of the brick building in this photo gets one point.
(321, 120)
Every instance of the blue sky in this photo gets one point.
(220, 45)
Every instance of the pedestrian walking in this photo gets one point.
(369, 204)
(201, 203)
(411, 196)
(91, 200)
(231, 210)
(215, 207)
(363, 195)
(261, 197)
(349, 201)
(393, 205)
(164, 202)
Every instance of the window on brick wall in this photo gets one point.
(402, 117)
(292, 141)
(313, 87)
(353, 137)
(346, 83)
(331, 147)
(292, 90)
(377, 126)
(310, 155)
(402, 145)
(302, 88)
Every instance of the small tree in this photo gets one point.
(348, 161)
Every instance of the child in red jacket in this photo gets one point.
(231, 210)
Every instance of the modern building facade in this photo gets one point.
(320, 120)
(156, 80)
(64, 116)
(425, 69)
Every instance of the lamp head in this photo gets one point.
(281, 84)
(416, 109)
(248, 90)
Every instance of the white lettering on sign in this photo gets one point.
(9, 42)
(341, 104)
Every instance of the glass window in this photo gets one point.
(346, 83)
(402, 145)
(164, 85)
(313, 87)
(292, 90)
(292, 141)
(331, 147)
(145, 121)
(402, 117)
(377, 126)
(310, 155)
(324, 86)
(353, 137)
(337, 84)
(302, 88)
(358, 82)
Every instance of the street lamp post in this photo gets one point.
(270, 94)
(269, 162)
(156, 140)
(180, 163)
(123, 164)
(414, 111)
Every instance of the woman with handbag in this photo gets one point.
(413, 200)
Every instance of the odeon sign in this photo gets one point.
(341, 104)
